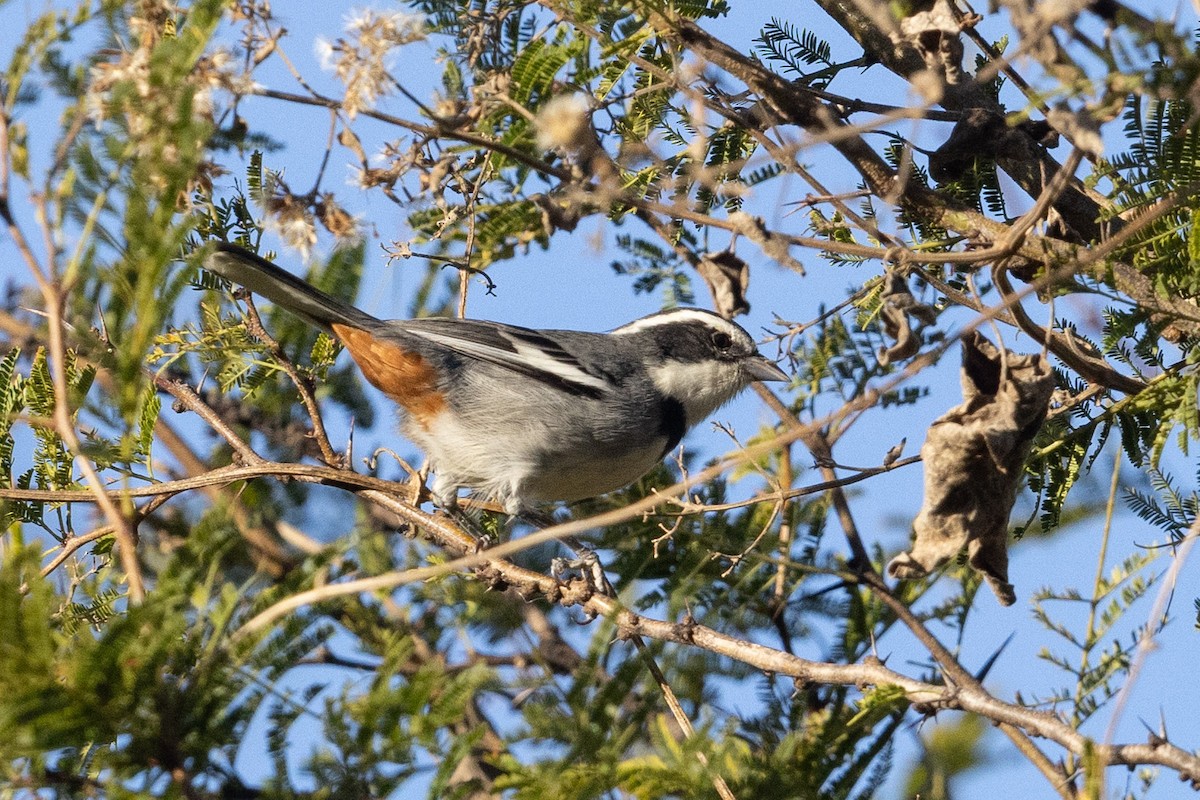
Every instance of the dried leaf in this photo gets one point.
(898, 305)
(973, 456)
(984, 135)
(349, 139)
(727, 277)
(773, 245)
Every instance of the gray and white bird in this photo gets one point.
(527, 416)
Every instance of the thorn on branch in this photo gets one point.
(532, 593)
(687, 628)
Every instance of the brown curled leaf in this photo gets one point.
(898, 305)
(727, 277)
(973, 457)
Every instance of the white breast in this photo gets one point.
(510, 463)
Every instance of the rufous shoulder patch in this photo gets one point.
(401, 374)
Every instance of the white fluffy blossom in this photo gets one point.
(362, 58)
(564, 123)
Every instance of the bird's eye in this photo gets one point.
(722, 340)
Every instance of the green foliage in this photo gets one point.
(144, 693)
(52, 464)
(979, 188)
(795, 49)
(130, 176)
(535, 67)
(835, 229)
(1163, 160)
(1099, 671)
(985, 65)
(543, 58)
(948, 750)
(1169, 509)
(223, 344)
(1165, 413)
(1053, 475)
(12, 403)
(728, 150)
(655, 267)
(27, 648)
(166, 691)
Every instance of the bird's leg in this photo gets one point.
(469, 518)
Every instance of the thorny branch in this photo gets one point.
(303, 386)
(962, 692)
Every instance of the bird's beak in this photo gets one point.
(761, 368)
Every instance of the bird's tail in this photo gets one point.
(260, 276)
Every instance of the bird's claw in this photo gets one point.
(587, 564)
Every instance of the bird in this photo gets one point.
(522, 416)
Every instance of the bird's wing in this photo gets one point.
(523, 350)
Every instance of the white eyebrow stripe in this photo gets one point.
(680, 315)
(526, 358)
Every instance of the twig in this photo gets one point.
(75, 542)
(964, 696)
(52, 290)
(1154, 623)
(187, 398)
(681, 717)
(256, 328)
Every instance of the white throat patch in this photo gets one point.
(701, 387)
